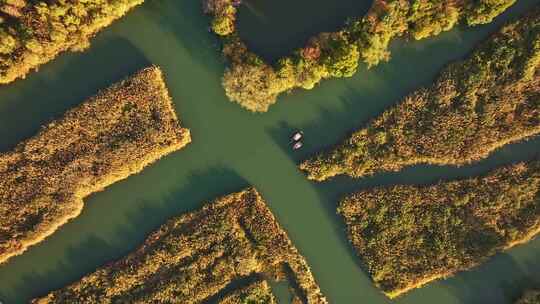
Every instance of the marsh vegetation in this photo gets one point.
(407, 236)
(112, 135)
(33, 32)
(194, 257)
(256, 84)
(476, 105)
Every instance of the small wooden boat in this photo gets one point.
(297, 145)
(298, 135)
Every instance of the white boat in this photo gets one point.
(298, 145)
(298, 135)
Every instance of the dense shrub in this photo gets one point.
(475, 106)
(251, 78)
(340, 58)
(44, 180)
(337, 54)
(34, 32)
(198, 256)
(483, 11)
(407, 236)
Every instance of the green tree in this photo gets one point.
(342, 59)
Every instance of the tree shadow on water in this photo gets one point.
(333, 124)
(274, 33)
(335, 189)
(62, 84)
(324, 132)
(78, 260)
(478, 290)
(500, 280)
(147, 216)
(202, 188)
(187, 22)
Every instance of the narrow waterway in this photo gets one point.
(233, 148)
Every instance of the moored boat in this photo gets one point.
(297, 135)
(298, 145)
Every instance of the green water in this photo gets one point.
(233, 148)
(274, 28)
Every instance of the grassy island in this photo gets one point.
(222, 252)
(114, 134)
(35, 32)
(477, 105)
(530, 297)
(255, 84)
(407, 236)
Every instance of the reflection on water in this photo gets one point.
(233, 148)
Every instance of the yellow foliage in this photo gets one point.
(475, 106)
(47, 28)
(107, 138)
(234, 239)
(408, 236)
(366, 38)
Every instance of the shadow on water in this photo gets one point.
(358, 106)
(364, 97)
(369, 93)
(497, 281)
(273, 29)
(143, 218)
(42, 283)
(500, 280)
(492, 282)
(335, 189)
(63, 85)
(361, 103)
(281, 291)
(328, 127)
(173, 34)
(331, 126)
(183, 19)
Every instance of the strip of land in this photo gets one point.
(476, 106)
(530, 297)
(112, 135)
(34, 32)
(256, 84)
(407, 236)
(219, 253)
